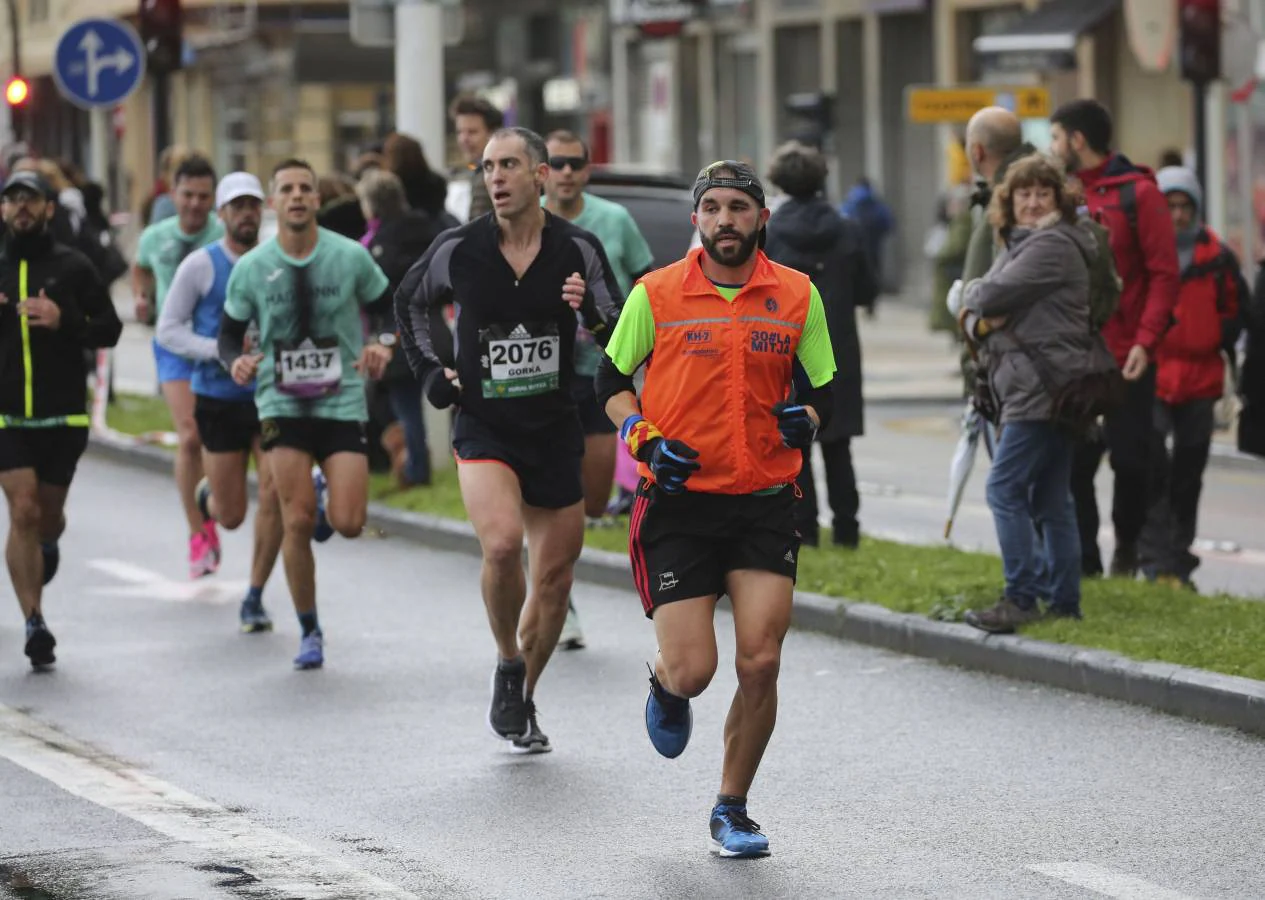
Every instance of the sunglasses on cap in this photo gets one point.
(558, 163)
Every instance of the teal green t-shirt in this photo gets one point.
(627, 252)
(163, 246)
(341, 277)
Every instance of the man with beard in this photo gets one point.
(1123, 197)
(306, 288)
(720, 444)
(518, 277)
(53, 306)
(228, 423)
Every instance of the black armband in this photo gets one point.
(821, 399)
(231, 340)
(609, 381)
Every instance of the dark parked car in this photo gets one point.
(660, 205)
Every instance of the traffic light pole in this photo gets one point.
(1201, 133)
(162, 112)
(17, 118)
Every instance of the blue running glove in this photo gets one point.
(797, 427)
(671, 463)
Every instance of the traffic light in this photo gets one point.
(1200, 39)
(813, 119)
(162, 32)
(17, 91)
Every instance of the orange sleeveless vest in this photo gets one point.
(718, 368)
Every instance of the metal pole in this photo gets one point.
(17, 119)
(1201, 132)
(420, 112)
(162, 113)
(99, 145)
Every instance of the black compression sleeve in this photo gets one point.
(231, 339)
(381, 313)
(821, 399)
(609, 381)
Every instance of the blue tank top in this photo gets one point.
(210, 379)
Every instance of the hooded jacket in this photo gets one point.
(810, 236)
(42, 370)
(1146, 253)
(1040, 285)
(1189, 363)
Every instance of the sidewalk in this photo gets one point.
(903, 361)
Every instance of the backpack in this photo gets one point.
(1104, 282)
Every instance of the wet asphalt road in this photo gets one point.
(224, 774)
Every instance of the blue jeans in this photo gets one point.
(405, 395)
(1029, 490)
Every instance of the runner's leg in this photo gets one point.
(687, 645)
(554, 540)
(52, 500)
(348, 477)
(292, 473)
(22, 550)
(226, 475)
(494, 503)
(179, 399)
(268, 528)
(762, 615)
(598, 472)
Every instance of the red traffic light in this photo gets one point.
(17, 91)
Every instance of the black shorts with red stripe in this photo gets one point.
(684, 545)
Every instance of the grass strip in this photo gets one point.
(1221, 633)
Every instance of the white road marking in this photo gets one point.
(281, 863)
(1107, 882)
(142, 582)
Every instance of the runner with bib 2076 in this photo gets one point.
(305, 288)
(518, 276)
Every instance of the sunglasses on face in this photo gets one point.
(577, 163)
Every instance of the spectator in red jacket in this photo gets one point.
(1125, 199)
(1190, 379)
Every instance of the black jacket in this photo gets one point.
(49, 363)
(1252, 375)
(811, 237)
(396, 245)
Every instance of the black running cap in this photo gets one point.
(31, 181)
(729, 173)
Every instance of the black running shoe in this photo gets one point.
(39, 644)
(52, 559)
(534, 741)
(508, 716)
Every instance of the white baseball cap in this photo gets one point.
(237, 184)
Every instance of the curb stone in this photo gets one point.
(1178, 690)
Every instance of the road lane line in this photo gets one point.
(1107, 882)
(139, 581)
(281, 863)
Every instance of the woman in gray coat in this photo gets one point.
(1030, 317)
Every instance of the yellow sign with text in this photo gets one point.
(932, 105)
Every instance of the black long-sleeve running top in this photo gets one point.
(515, 337)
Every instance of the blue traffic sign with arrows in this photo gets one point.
(98, 62)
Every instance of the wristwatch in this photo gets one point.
(387, 339)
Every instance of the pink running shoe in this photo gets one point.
(201, 556)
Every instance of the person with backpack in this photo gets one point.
(1190, 380)
(807, 234)
(1124, 198)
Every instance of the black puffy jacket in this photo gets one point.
(42, 370)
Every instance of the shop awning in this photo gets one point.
(1051, 28)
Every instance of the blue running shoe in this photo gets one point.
(311, 652)
(52, 559)
(734, 835)
(323, 531)
(254, 617)
(669, 720)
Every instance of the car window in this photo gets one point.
(662, 216)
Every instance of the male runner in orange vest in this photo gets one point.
(738, 383)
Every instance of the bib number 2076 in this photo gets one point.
(519, 360)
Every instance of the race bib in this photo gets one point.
(519, 360)
(312, 369)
